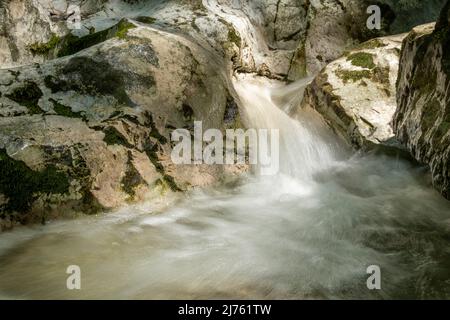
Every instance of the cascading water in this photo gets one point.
(309, 232)
(304, 150)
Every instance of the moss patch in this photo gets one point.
(123, 27)
(112, 136)
(362, 59)
(79, 170)
(154, 131)
(147, 20)
(166, 181)
(20, 184)
(27, 95)
(234, 37)
(45, 48)
(71, 44)
(353, 75)
(132, 178)
(65, 111)
(53, 84)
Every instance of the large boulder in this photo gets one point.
(91, 130)
(422, 120)
(355, 94)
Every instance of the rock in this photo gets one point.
(24, 25)
(292, 38)
(422, 120)
(356, 93)
(91, 130)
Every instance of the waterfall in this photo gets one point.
(305, 148)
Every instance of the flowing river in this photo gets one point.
(309, 232)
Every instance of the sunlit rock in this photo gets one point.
(356, 94)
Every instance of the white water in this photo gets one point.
(309, 232)
(304, 148)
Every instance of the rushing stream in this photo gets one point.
(309, 232)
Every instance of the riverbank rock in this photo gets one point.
(91, 130)
(422, 120)
(356, 94)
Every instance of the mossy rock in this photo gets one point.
(71, 44)
(65, 111)
(96, 78)
(114, 137)
(146, 20)
(353, 75)
(362, 59)
(45, 48)
(371, 44)
(27, 95)
(132, 179)
(20, 184)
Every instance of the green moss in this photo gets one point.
(96, 78)
(132, 178)
(154, 131)
(112, 136)
(20, 184)
(147, 20)
(123, 27)
(371, 44)
(45, 48)
(54, 85)
(353, 75)
(234, 37)
(65, 111)
(71, 44)
(27, 95)
(362, 59)
(80, 171)
(171, 183)
(162, 186)
(166, 181)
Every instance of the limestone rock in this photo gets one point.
(356, 93)
(98, 123)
